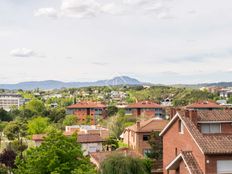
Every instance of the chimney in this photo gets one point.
(192, 115)
(138, 124)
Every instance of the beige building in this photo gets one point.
(137, 135)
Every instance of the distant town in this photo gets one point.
(168, 129)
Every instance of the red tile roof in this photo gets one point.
(88, 104)
(208, 144)
(89, 138)
(38, 137)
(214, 115)
(144, 104)
(203, 104)
(99, 157)
(189, 160)
(149, 125)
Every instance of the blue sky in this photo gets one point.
(160, 41)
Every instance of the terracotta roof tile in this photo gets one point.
(191, 162)
(144, 104)
(38, 137)
(215, 115)
(101, 156)
(88, 104)
(89, 138)
(204, 104)
(149, 125)
(209, 144)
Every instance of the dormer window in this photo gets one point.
(181, 127)
(210, 128)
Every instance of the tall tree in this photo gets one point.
(57, 155)
(38, 125)
(122, 164)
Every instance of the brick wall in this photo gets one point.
(174, 141)
(211, 162)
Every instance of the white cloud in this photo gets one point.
(80, 8)
(92, 8)
(49, 12)
(22, 52)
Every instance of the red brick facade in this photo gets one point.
(175, 142)
(183, 136)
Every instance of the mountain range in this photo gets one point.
(53, 84)
(116, 81)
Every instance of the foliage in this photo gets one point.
(112, 143)
(116, 164)
(57, 154)
(15, 130)
(7, 157)
(36, 106)
(56, 114)
(117, 124)
(156, 144)
(38, 125)
(70, 120)
(3, 169)
(17, 146)
(4, 115)
(112, 110)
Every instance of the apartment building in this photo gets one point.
(7, 101)
(137, 135)
(204, 105)
(88, 112)
(145, 108)
(198, 142)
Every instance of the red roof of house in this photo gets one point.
(144, 104)
(215, 115)
(88, 104)
(208, 144)
(204, 104)
(38, 137)
(149, 125)
(99, 157)
(89, 138)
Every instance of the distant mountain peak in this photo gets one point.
(54, 84)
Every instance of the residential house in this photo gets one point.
(98, 157)
(198, 142)
(88, 112)
(204, 105)
(38, 139)
(90, 143)
(87, 129)
(145, 108)
(137, 135)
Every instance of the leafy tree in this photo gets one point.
(70, 120)
(112, 110)
(122, 164)
(4, 115)
(156, 144)
(7, 157)
(112, 143)
(15, 130)
(38, 125)
(36, 106)
(3, 169)
(56, 114)
(56, 155)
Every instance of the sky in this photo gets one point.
(158, 41)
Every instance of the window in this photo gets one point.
(210, 128)
(181, 127)
(146, 152)
(146, 137)
(224, 167)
